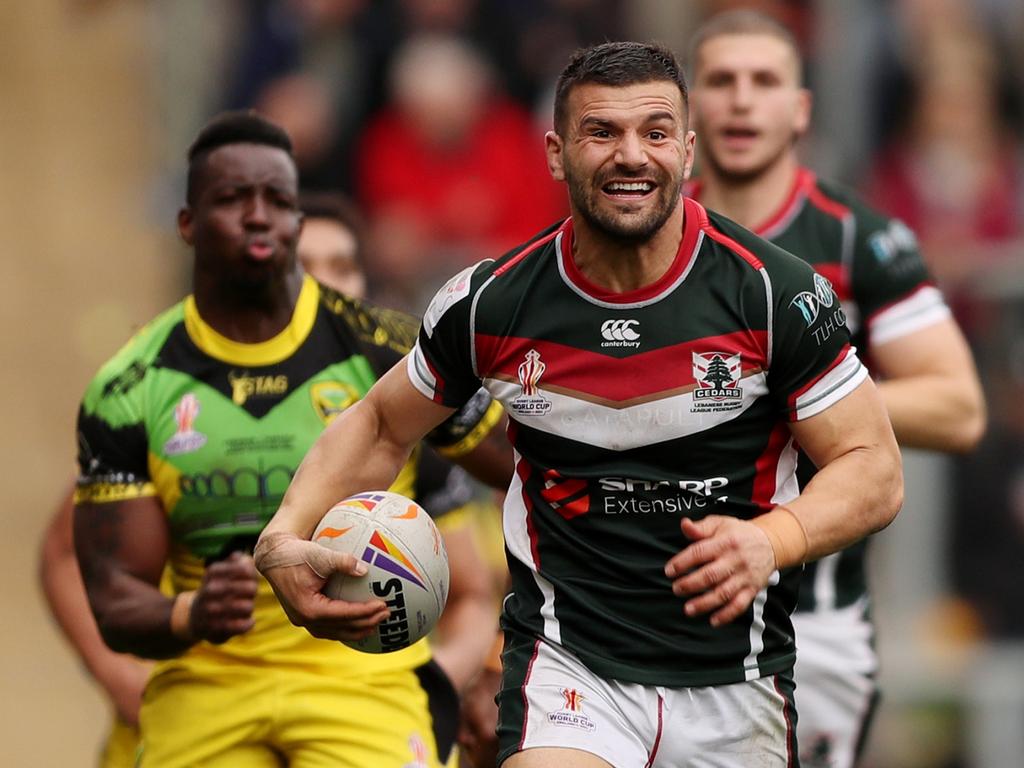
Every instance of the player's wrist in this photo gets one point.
(272, 551)
(786, 534)
(181, 616)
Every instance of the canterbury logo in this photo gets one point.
(620, 330)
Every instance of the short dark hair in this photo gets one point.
(336, 207)
(743, 22)
(235, 127)
(618, 63)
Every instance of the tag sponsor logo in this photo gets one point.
(244, 386)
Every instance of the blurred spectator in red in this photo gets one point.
(955, 174)
(451, 172)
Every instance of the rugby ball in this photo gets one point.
(408, 565)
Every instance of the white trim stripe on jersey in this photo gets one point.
(923, 308)
(832, 387)
(751, 669)
(770, 319)
(631, 305)
(623, 429)
(419, 372)
(517, 539)
(825, 582)
(472, 323)
(783, 224)
(787, 487)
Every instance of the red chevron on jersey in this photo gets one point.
(614, 382)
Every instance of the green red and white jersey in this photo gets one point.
(874, 264)
(631, 410)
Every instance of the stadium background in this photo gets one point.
(99, 98)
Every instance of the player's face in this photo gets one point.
(625, 155)
(327, 251)
(244, 221)
(748, 105)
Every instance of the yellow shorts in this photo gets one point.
(253, 716)
(121, 747)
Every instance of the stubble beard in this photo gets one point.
(627, 229)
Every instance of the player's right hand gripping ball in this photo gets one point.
(408, 564)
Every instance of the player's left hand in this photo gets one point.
(726, 564)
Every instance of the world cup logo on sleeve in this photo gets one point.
(531, 402)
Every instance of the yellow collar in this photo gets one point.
(266, 352)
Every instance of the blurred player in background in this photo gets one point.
(188, 438)
(656, 373)
(749, 110)
(330, 250)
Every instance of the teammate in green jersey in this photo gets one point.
(750, 108)
(189, 436)
(653, 515)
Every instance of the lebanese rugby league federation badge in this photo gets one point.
(717, 375)
(531, 402)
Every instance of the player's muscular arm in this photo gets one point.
(858, 488)
(363, 449)
(122, 549)
(857, 491)
(930, 387)
(123, 677)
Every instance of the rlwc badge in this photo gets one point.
(571, 715)
(186, 439)
(531, 402)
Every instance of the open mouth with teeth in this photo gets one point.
(628, 189)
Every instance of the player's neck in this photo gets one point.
(753, 201)
(248, 314)
(621, 267)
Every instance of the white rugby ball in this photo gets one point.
(408, 564)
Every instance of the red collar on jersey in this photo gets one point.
(693, 216)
